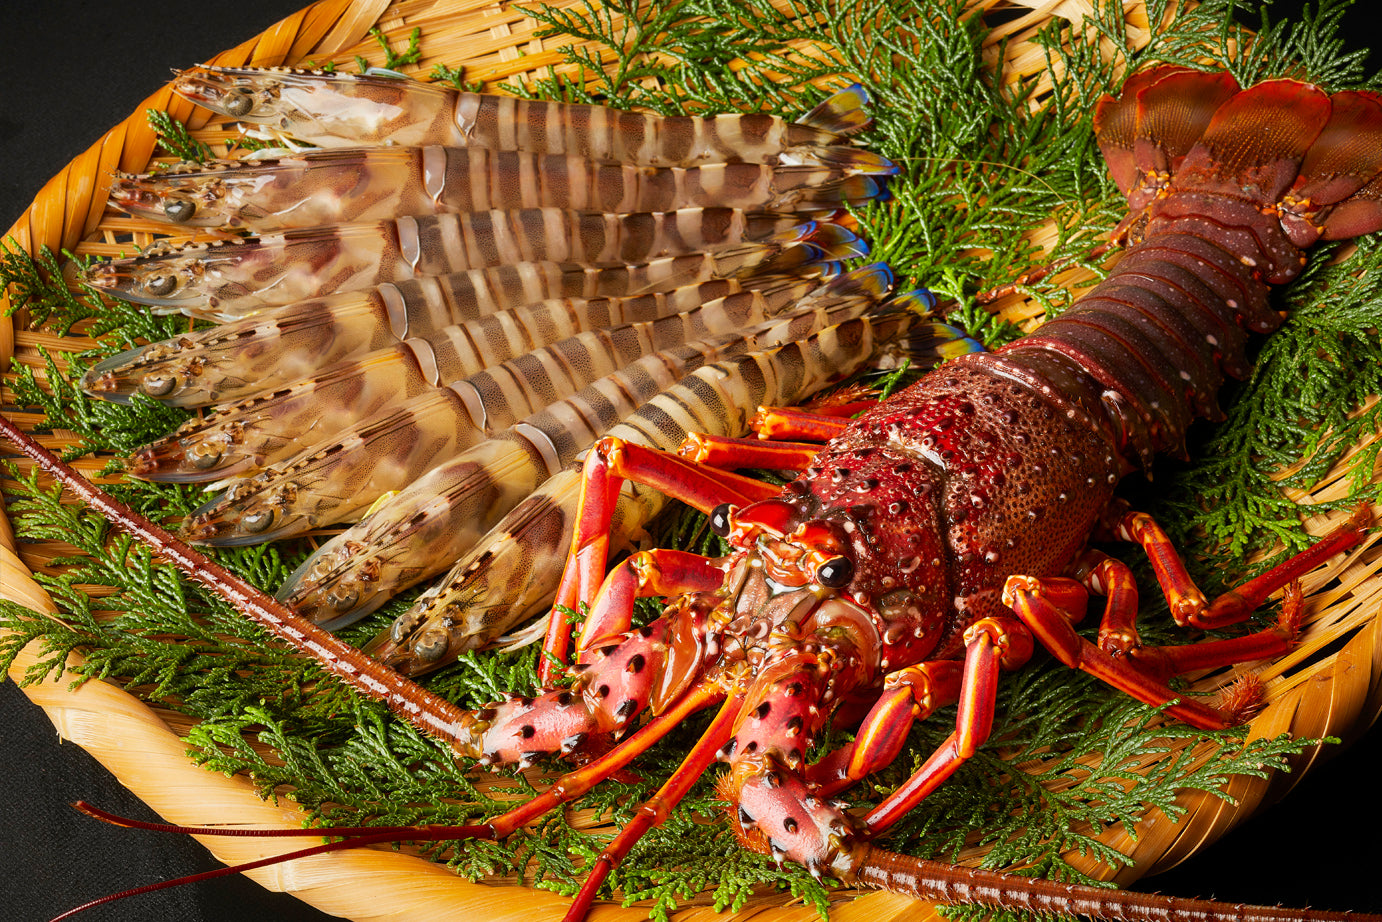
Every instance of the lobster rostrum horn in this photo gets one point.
(933, 542)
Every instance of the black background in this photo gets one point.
(68, 71)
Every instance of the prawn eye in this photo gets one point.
(343, 598)
(159, 385)
(835, 573)
(720, 519)
(255, 522)
(430, 646)
(239, 105)
(158, 285)
(179, 210)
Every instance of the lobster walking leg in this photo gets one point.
(991, 644)
(657, 808)
(1140, 670)
(608, 464)
(909, 695)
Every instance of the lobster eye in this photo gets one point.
(159, 285)
(720, 519)
(240, 104)
(179, 210)
(835, 573)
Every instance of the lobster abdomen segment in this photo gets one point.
(1219, 217)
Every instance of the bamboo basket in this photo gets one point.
(1329, 685)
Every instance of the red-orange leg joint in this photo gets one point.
(991, 644)
(1236, 604)
(1118, 629)
(722, 452)
(909, 695)
(609, 463)
(1050, 608)
(787, 423)
(659, 572)
(1185, 599)
(1051, 625)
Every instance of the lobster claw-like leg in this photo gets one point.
(991, 645)
(1122, 660)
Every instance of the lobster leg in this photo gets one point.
(909, 695)
(657, 808)
(991, 645)
(792, 423)
(721, 451)
(1188, 603)
(1141, 671)
(609, 463)
(658, 572)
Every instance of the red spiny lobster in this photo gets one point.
(933, 541)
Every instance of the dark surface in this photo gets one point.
(71, 70)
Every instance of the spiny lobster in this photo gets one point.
(932, 542)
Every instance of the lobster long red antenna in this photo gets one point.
(419, 707)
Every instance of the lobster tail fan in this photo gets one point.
(1146, 132)
(1115, 127)
(1360, 213)
(1256, 142)
(1338, 193)
(1174, 113)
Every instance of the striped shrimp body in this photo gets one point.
(273, 348)
(276, 424)
(334, 479)
(225, 279)
(427, 527)
(350, 575)
(348, 185)
(337, 110)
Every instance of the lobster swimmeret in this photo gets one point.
(931, 542)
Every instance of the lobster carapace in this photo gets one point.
(937, 539)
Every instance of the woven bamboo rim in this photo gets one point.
(1328, 685)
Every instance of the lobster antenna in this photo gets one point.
(950, 884)
(423, 709)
